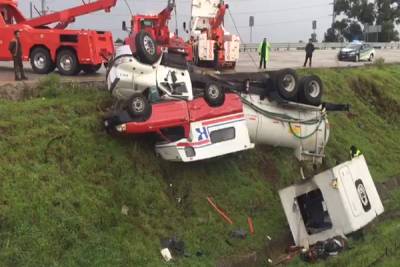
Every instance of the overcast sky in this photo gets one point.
(278, 20)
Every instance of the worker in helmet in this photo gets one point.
(354, 152)
(264, 50)
(15, 49)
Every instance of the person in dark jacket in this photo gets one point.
(15, 49)
(309, 53)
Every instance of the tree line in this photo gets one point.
(355, 14)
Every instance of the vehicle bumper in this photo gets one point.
(347, 57)
(184, 151)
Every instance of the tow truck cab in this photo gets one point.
(336, 202)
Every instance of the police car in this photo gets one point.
(356, 52)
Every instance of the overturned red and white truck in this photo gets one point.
(272, 108)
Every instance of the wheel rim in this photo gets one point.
(66, 62)
(213, 91)
(149, 45)
(40, 60)
(138, 105)
(289, 83)
(315, 89)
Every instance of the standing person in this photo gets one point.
(309, 53)
(263, 51)
(15, 49)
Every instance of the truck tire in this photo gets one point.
(41, 61)
(311, 90)
(286, 83)
(214, 95)
(139, 107)
(146, 48)
(67, 62)
(90, 69)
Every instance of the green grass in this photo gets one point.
(64, 181)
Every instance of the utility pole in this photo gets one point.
(251, 24)
(43, 7)
(333, 12)
(31, 8)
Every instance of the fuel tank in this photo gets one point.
(301, 127)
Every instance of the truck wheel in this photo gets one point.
(311, 90)
(214, 95)
(41, 61)
(91, 69)
(67, 62)
(146, 48)
(139, 107)
(286, 82)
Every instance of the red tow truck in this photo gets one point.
(155, 26)
(49, 47)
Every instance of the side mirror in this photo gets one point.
(124, 28)
(184, 26)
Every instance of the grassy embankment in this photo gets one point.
(64, 181)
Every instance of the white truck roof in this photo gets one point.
(338, 201)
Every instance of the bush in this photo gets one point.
(379, 62)
(50, 86)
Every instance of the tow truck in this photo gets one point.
(155, 26)
(206, 29)
(49, 47)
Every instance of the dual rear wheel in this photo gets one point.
(66, 62)
(307, 90)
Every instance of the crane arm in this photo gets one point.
(165, 15)
(67, 16)
(219, 18)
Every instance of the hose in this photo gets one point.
(279, 116)
(304, 137)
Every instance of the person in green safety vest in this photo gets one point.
(264, 50)
(354, 152)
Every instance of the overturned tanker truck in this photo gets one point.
(200, 116)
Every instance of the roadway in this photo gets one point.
(247, 63)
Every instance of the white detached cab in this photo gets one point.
(338, 201)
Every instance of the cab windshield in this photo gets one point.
(354, 46)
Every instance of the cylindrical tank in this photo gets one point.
(293, 125)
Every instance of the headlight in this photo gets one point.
(121, 128)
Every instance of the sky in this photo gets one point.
(278, 20)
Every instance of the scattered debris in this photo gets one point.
(220, 212)
(251, 225)
(166, 254)
(324, 249)
(239, 234)
(174, 245)
(124, 210)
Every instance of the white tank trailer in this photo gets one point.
(302, 127)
